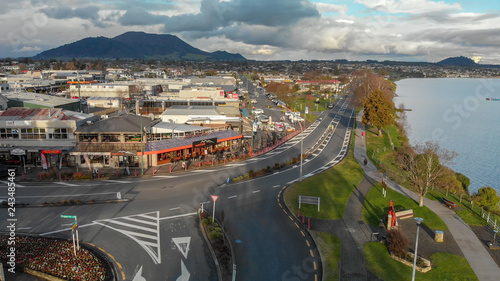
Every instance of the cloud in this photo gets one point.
(86, 13)
(409, 6)
(324, 8)
(139, 16)
(28, 49)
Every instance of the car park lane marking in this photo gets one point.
(115, 181)
(65, 183)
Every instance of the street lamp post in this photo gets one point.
(418, 221)
(142, 146)
(494, 236)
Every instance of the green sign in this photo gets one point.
(68, 217)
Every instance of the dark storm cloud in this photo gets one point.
(215, 14)
(139, 16)
(479, 38)
(87, 13)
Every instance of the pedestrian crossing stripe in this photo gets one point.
(144, 229)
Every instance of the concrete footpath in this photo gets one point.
(474, 251)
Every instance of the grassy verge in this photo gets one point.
(376, 207)
(329, 246)
(446, 266)
(379, 149)
(334, 186)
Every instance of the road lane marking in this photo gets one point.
(302, 233)
(231, 197)
(176, 208)
(290, 218)
(311, 252)
(65, 183)
(17, 185)
(255, 191)
(297, 225)
(115, 181)
(203, 171)
(167, 177)
(315, 266)
(308, 244)
(276, 186)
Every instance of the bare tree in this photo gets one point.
(423, 166)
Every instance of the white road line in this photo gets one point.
(255, 191)
(167, 177)
(176, 208)
(203, 171)
(231, 197)
(276, 186)
(17, 185)
(235, 165)
(65, 183)
(117, 181)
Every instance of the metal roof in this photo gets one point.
(190, 110)
(127, 123)
(40, 99)
(168, 127)
(42, 114)
(174, 144)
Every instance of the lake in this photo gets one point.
(455, 112)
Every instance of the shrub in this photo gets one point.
(246, 175)
(250, 173)
(203, 215)
(205, 221)
(218, 229)
(79, 202)
(264, 171)
(64, 202)
(487, 197)
(268, 168)
(276, 165)
(397, 242)
(213, 234)
(72, 202)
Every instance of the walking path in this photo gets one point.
(474, 251)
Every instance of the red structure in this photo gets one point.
(392, 213)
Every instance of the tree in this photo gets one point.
(487, 197)
(464, 180)
(379, 111)
(423, 166)
(364, 82)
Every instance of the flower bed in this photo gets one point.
(423, 265)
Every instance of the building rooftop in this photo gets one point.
(126, 123)
(190, 110)
(41, 114)
(40, 99)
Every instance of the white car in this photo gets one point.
(257, 111)
(253, 101)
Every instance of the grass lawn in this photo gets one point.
(329, 246)
(446, 266)
(378, 149)
(334, 186)
(376, 207)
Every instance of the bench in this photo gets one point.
(404, 214)
(450, 204)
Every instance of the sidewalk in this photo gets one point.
(474, 251)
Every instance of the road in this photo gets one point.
(155, 234)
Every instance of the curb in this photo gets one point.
(281, 201)
(214, 257)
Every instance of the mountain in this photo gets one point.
(458, 61)
(135, 45)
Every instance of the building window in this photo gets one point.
(60, 133)
(133, 138)
(9, 133)
(33, 133)
(88, 138)
(110, 138)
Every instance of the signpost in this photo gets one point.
(214, 197)
(74, 228)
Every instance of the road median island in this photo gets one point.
(55, 259)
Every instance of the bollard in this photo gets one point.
(308, 223)
(117, 174)
(303, 218)
(298, 215)
(170, 169)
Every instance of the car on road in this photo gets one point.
(257, 111)
(330, 105)
(253, 101)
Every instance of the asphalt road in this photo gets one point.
(140, 234)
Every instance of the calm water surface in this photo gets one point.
(455, 112)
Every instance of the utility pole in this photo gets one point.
(79, 96)
(142, 147)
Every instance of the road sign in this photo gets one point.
(306, 110)
(75, 225)
(68, 217)
(215, 197)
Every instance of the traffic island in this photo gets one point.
(54, 259)
(220, 247)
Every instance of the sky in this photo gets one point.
(402, 30)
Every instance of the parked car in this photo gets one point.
(253, 101)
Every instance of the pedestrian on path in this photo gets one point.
(363, 135)
(365, 161)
